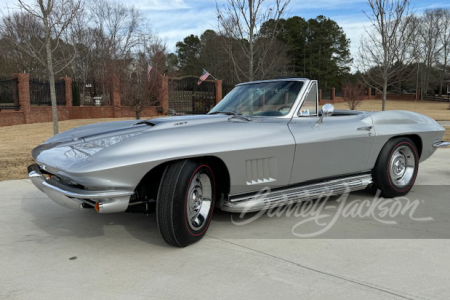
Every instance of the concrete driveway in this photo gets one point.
(50, 252)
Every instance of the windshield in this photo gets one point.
(260, 99)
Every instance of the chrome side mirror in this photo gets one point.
(327, 111)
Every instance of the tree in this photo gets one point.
(317, 48)
(353, 94)
(240, 21)
(139, 94)
(188, 52)
(444, 39)
(139, 91)
(388, 42)
(47, 31)
(117, 34)
(429, 35)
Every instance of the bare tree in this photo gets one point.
(429, 33)
(353, 94)
(52, 20)
(138, 90)
(387, 47)
(116, 29)
(444, 39)
(138, 94)
(240, 22)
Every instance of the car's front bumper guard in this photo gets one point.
(107, 201)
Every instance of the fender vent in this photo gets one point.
(261, 170)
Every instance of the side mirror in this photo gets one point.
(327, 111)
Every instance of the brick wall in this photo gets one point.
(90, 112)
(39, 114)
(127, 112)
(11, 118)
(402, 97)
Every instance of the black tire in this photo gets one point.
(172, 204)
(384, 173)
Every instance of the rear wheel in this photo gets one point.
(185, 202)
(396, 168)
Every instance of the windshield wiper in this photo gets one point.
(230, 113)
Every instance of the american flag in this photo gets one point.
(149, 70)
(203, 77)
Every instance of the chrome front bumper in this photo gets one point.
(441, 144)
(107, 201)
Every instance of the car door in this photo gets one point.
(340, 145)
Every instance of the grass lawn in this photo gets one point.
(16, 142)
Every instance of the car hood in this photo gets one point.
(78, 144)
(92, 131)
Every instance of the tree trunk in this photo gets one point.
(138, 117)
(251, 54)
(51, 78)
(444, 67)
(383, 106)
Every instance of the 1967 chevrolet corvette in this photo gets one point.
(262, 134)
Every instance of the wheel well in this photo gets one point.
(416, 140)
(220, 170)
(149, 184)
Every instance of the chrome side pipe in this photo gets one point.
(441, 144)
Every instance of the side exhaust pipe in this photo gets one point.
(113, 205)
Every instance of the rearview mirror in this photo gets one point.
(327, 111)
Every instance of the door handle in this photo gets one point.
(365, 128)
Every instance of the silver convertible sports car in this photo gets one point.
(268, 135)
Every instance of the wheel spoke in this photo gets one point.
(199, 201)
(402, 166)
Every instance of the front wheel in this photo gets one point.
(396, 168)
(185, 202)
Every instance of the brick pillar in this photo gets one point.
(333, 94)
(115, 97)
(24, 95)
(320, 96)
(218, 88)
(164, 96)
(68, 87)
(369, 93)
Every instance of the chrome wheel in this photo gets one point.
(199, 201)
(402, 166)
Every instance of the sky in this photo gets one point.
(173, 20)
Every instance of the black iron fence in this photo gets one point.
(436, 97)
(40, 92)
(84, 93)
(9, 94)
(187, 97)
(226, 88)
(326, 94)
